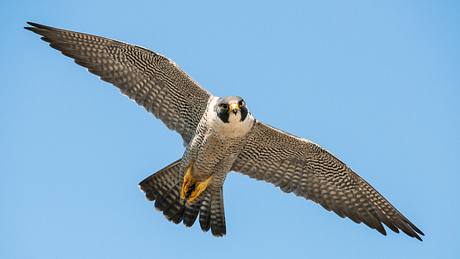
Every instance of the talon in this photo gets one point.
(187, 182)
(199, 188)
(192, 189)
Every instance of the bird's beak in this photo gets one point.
(234, 108)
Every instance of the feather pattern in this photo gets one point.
(304, 168)
(205, 212)
(148, 78)
(293, 164)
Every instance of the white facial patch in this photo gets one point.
(234, 128)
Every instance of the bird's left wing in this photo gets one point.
(304, 168)
(150, 79)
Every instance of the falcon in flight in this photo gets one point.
(221, 135)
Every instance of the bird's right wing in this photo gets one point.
(150, 79)
(304, 168)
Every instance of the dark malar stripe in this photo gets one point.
(244, 113)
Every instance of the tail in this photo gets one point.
(212, 213)
(164, 187)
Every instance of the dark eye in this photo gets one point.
(224, 105)
(241, 103)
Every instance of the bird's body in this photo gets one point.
(216, 144)
(220, 135)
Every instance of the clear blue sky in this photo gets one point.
(377, 84)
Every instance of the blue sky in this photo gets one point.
(375, 82)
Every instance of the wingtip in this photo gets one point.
(28, 27)
(34, 27)
(38, 25)
(414, 232)
(416, 229)
(38, 28)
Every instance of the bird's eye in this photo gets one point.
(224, 105)
(241, 103)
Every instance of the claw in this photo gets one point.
(192, 189)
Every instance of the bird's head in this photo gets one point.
(231, 109)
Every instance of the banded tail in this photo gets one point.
(165, 188)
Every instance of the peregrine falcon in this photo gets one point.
(220, 135)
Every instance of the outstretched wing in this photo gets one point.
(150, 79)
(302, 167)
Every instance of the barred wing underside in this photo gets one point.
(302, 167)
(150, 79)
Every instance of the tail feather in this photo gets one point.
(174, 204)
(205, 212)
(212, 214)
(163, 202)
(158, 184)
(217, 213)
(168, 200)
(191, 213)
(164, 187)
(177, 214)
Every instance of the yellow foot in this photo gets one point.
(192, 189)
(187, 181)
(199, 188)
